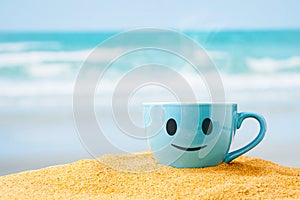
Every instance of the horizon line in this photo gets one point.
(125, 30)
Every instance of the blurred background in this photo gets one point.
(255, 45)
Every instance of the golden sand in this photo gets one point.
(244, 178)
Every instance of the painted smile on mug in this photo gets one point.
(189, 149)
(171, 128)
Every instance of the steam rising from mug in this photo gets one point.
(160, 75)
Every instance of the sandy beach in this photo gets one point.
(139, 176)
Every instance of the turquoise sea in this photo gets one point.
(260, 70)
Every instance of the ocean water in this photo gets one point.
(260, 71)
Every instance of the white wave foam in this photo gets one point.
(49, 70)
(218, 54)
(232, 83)
(273, 65)
(249, 81)
(246, 82)
(36, 57)
(35, 88)
(23, 46)
(265, 91)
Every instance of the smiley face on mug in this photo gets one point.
(184, 135)
(171, 130)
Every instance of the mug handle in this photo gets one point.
(262, 123)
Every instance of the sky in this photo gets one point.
(94, 15)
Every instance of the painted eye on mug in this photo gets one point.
(171, 127)
(207, 126)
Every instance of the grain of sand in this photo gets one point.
(138, 176)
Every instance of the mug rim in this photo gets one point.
(190, 103)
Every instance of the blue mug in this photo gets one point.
(191, 135)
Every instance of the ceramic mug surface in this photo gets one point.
(188, 135)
